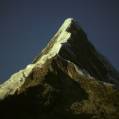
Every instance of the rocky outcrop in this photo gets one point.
(69, 79)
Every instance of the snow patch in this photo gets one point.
(63, 37)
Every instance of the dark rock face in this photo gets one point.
(69, 79)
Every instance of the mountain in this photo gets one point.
(68, 80)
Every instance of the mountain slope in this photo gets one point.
(69, 79)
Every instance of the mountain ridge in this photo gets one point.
(69, 79)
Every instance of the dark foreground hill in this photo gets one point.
(68, 80)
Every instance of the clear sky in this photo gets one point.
(27, 25)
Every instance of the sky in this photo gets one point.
(27, 25)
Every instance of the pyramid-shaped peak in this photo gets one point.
(67, 23)
(60, 39)
(71, 43)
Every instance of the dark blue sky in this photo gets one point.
(27, 25)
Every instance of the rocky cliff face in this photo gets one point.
(69, 79)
